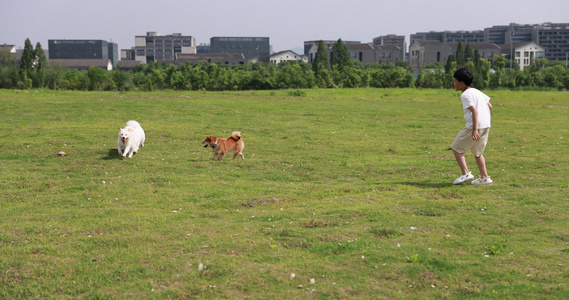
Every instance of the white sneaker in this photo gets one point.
(464, 178)
(486, 180)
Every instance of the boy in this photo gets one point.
(474, 136)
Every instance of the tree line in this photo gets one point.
(336, 70)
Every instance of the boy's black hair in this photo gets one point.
(464, 75)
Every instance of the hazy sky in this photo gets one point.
(287, 23)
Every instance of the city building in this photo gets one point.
(513, 33)
(8, 48)
(476, 36)
(287, 55)
(154, 47)
(389, 53)
(250, 47)
(203, 48)
(365, 53)
(523, 53)
(391, 39)
(309, 44)
(127, 54)
(15, 56)
(422, 53)
(83, 49)
(553, 37)
(114, 53)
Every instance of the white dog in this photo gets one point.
(131, 138)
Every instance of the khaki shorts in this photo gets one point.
(464, 142)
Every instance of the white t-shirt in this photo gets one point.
(473, 97)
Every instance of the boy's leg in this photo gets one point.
(481, 162)
(461, 160)
(462, 143)
(466, 175)
(478, 150)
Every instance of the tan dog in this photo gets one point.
(221, 146)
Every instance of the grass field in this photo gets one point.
(349, 190)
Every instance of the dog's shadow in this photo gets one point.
(112, 154)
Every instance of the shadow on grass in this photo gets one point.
(426, 184)
(112, 154)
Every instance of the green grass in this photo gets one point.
(352, 188)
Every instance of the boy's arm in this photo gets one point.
(475, 135)
(489, 105)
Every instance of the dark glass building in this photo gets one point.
(83, 49)
(250, 47)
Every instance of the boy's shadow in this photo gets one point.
(425, 184)
(112, 154)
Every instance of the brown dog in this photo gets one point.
(221, 146)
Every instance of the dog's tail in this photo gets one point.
(236, 135)
(133, 123)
